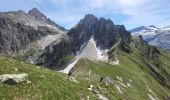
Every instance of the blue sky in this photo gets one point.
(131, 13)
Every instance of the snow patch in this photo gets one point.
(89, 51)
(69, 67)
(167, 28)
(102, 54)
(152, 28)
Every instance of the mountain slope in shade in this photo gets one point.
(155, 36)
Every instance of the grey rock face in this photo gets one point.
(106, 81)
(56, 52)
(37, 14)
(105, 34)
(14, 37)
(104, 31)
(19, 29)
(83, 31)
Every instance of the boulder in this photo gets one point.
(90, 88)
(13, 79)
(106, 80)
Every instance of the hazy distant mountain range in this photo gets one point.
(154, 36)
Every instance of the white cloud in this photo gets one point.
(139, 12)
(69, 12)
(145, 12)
(38, 1)
(131, 3)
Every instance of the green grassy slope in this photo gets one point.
(132, 78)
(45, 84)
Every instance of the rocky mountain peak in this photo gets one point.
(89, 17)
(21, 12)
(89, 21)
(37, 14)
(152, 26)
(108, 21)
(103, 30)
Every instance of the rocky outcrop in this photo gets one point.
(106, 81)
(12, 79)
(56, 53)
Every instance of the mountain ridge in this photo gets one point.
(98, 57)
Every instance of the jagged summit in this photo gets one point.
(90, 16)
(91, 19)
(37, 14)
(108, 21)
(104, 31)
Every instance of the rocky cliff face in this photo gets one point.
(14, 37)
(104, 33)
(19, 29)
